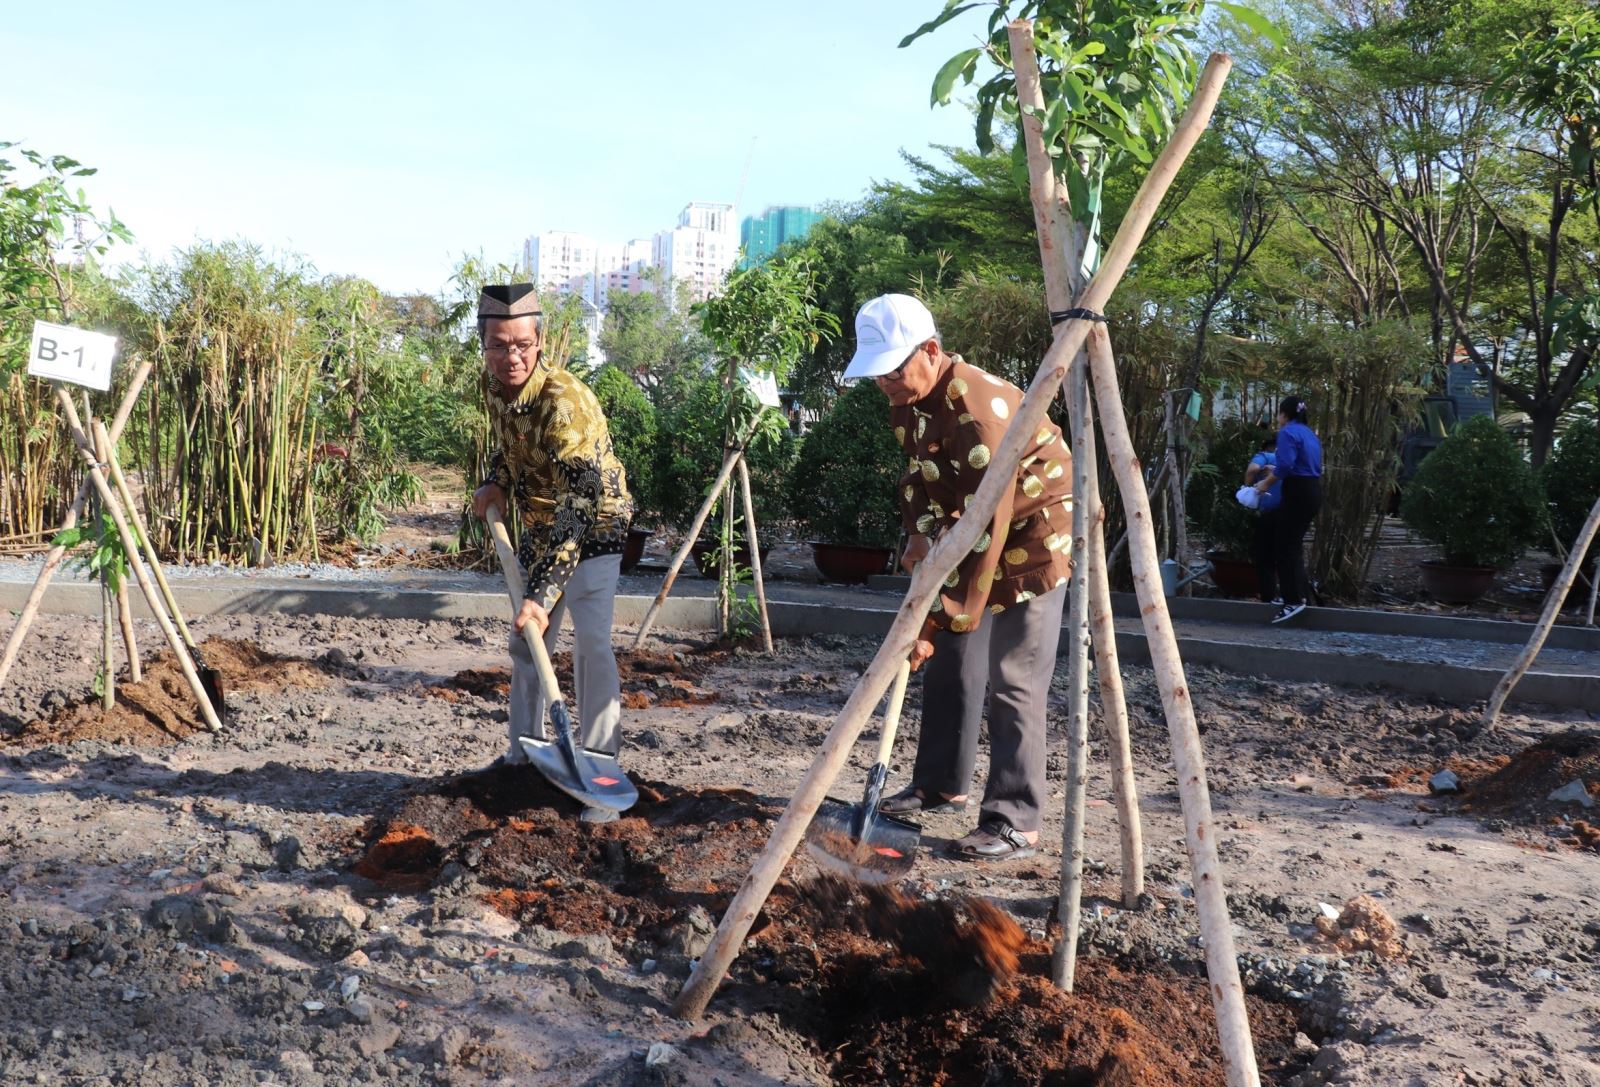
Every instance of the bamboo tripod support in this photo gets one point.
(730, 460)
(944, 557)
(1061, 247)
(110, 616)
(131, 547)
(755, 552)
(1547, 619)
(1210, 898)
(53, 558)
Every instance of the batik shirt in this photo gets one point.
(950, 436)
(552, 452)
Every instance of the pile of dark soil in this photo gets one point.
(649, 679)
(1522, 784)
(888, 987)
(160, 709)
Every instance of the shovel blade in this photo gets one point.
(211, 684)
(593, 778)
(865, 846)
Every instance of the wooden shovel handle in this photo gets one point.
(510, 568)
(891, 713)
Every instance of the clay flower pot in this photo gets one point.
(633, 550)
(849, 563)
(1451, 584)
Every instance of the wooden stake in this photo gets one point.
(1061, 247)
(131, 546)
(729, 459)
(1210, 899)
(944, 557)
(52, 559)
(130, 643)
(1547, 618)
(108, 609)
(1180, 527)
(755, 552)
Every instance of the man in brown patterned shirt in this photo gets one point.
(552, 450)
(997, 621)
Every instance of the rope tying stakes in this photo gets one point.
(1077, 313)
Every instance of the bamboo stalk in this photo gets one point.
(1210, 899)
(130, 643)
(944, 557)
(755, 553)
(152, 597)
(1547, 618)
(729, 459)
(52, 559)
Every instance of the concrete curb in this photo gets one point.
(1343, 620)
(1456, 684)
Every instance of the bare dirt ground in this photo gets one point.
(334, 890)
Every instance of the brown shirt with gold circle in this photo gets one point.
(949, 437)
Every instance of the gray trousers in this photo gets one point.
(590, 597)
(1013, 654)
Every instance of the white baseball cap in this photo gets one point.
(888, 329)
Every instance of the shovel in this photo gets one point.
(593, 778)
(858, 841)
(210, 678)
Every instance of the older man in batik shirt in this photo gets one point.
(553, 453)
(997, 620)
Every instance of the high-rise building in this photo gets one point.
(562, 261)
(621, 268)
(700, 250)
(761, 235)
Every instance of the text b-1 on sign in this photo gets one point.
(60, 353)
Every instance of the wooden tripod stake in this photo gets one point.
(131, 546)
(52, 559)
(731, 459)
(944, 557)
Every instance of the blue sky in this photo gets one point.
(383, 140)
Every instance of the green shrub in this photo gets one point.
(842, 489)
(632, 420)
(1475, 498)
(1210, 503)
(1571, 480)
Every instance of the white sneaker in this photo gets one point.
(1287, 612)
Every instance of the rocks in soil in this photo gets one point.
(1573, 792)
(323, 932)
(1363, 925)
(184, 916)
(446, 1048)
(1444, 782)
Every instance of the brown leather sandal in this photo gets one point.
(994, 841)
(913, 799)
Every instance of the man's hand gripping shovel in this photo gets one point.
(593, 778)
(858, 841)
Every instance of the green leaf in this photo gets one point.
(68, 537)
(1255, 21)
(960, 65)
(951, 10)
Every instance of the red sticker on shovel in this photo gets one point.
(606, 781)
(885, 851)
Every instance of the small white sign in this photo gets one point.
(62, 353)
(764, 386)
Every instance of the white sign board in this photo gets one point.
(60, 353)
(764, 386)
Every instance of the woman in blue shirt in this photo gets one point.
(1299, 466)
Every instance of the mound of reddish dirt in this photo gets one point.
(664, 680)
(888, 987)
(160, 708)
(1523, 783)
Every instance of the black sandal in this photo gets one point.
(993, 842)
(913, 799)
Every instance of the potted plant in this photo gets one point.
(1477, 500)
(1571, 479)
(632, 421)
(1217, 515)
(842, 489)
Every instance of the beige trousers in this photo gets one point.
(590, 598)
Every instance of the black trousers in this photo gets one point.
(1013, 655)
(1302, 497)
(1265, 553)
